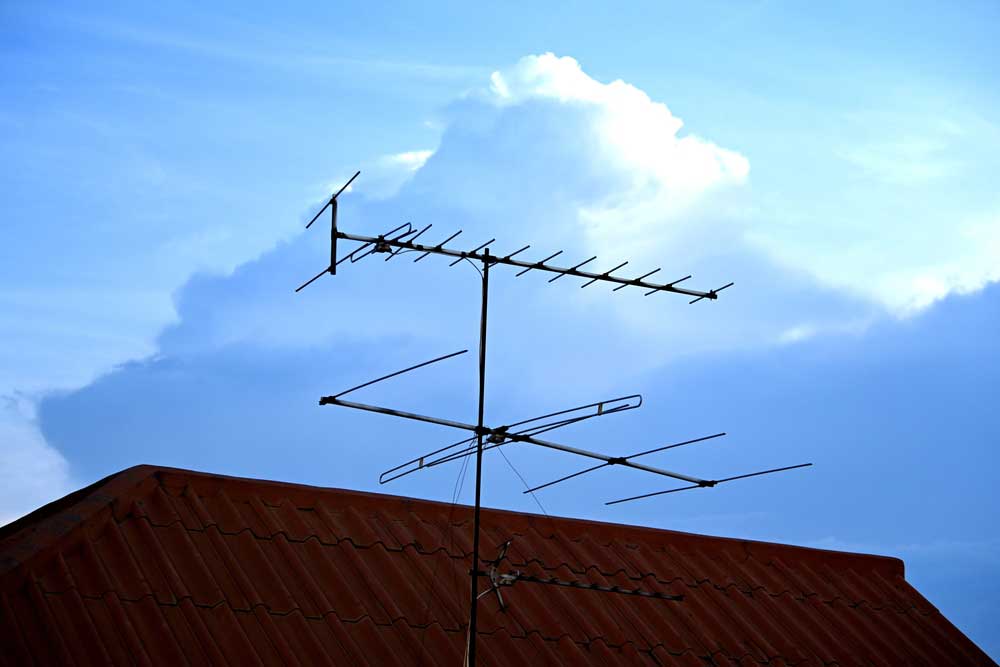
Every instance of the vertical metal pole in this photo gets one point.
(479, 459)
(333, 236)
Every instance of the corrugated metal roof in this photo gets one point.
(157, 565)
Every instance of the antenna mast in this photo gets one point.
(403, 239)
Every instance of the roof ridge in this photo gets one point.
(889, 564)
(61, 516)
(34, 532)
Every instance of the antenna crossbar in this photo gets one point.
(428, 460)
(510, 260)
(502, 434)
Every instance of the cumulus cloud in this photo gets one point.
(543, 154)
(660, 176)
(896, 204)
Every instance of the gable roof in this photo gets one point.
(165, 565)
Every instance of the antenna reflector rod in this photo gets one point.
(311, 280)
(405, 370)
(332, 199)
(348, 183)
(709, 483)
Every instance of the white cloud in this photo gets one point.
(895, 204)
(660, 175)
(908, 161)
(385, 175)
(546, 154)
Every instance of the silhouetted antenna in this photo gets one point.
(624, 458)
(405, 238)
(709, 483)
(504, 434)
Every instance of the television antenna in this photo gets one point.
(404, 239)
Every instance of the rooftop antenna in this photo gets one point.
(404, 239)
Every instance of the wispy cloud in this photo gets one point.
(909, 161)
(272, 49)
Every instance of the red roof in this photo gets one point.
(158, 565)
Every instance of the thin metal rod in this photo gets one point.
(502, 435)
(350, 255)
(676, 444)
(600, 405)
(319, 213)
(405, 370)
(382, 479)
(311, 280)
(517, 252)
(512, 437)
(607, 459)
(333, 400)
(528, 266)
(550, 426)
(438, 248)
(570, 476)
(479, 459)
(711, 293)
(605, 275)
(381, 242)
(573, 269)
(333, 236)
(422, 462)
(476, 249)
(679, 280)
(713, 483)
(626, 458)
(536, 265)
(343, 187)
(427, 460)
(636, 280)
(503, 438)
(400, 249)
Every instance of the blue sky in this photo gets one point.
(837, 163)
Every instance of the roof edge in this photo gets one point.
(889, 564)
(37, 530)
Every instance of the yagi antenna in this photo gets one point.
(405, 239)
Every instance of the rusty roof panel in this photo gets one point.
(170, 566)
